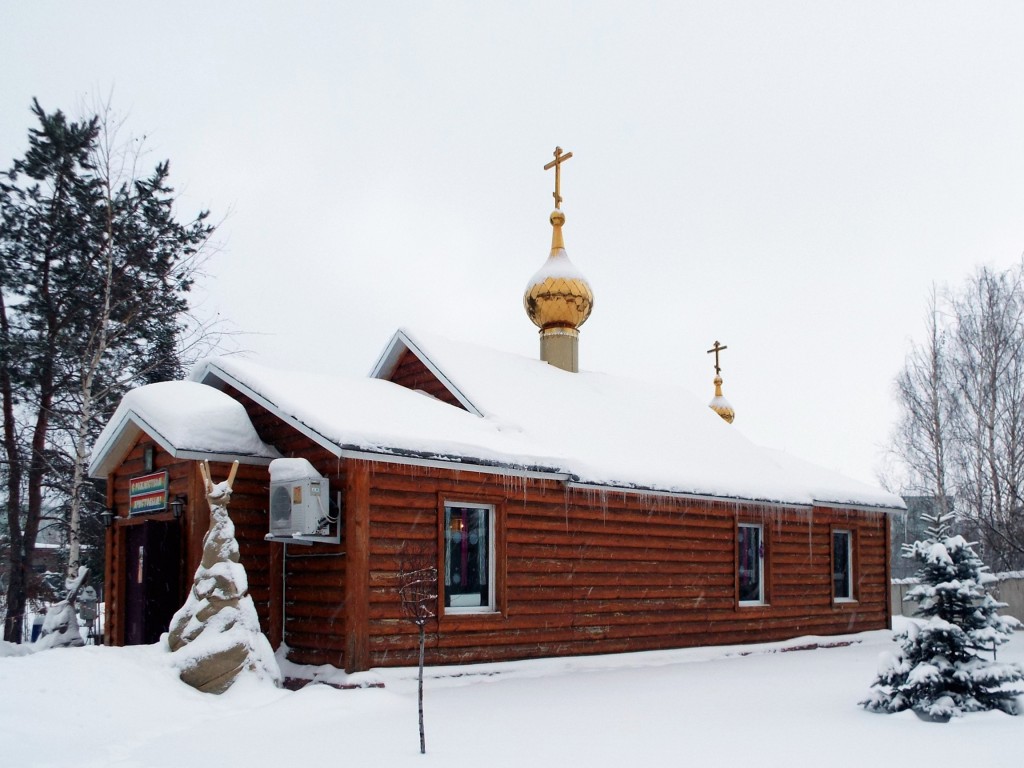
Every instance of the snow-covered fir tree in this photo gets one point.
(947, 665)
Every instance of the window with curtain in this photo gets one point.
(750, 564)
(468, 558)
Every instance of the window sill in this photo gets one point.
(450, 611)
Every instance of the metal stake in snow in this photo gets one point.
(557, 165)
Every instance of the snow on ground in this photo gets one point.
(725, 706)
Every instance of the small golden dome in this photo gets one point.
(719, 404)
(558, 295)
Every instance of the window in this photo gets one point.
(750, 564)
(468, 558)
(842, 565)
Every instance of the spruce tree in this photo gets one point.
(95, 271)
(947, 665)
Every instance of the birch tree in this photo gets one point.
(95, 269)
(961, 395)
(924, 431)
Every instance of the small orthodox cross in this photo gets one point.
(557, 165)
(716, 349)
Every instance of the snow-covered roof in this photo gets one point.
(187, 419)
(523, 415)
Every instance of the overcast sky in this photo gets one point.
(788, 178)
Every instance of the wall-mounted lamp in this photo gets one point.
(107, 516)
(178, 505)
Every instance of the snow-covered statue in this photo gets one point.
(60, 627)
(215, 636)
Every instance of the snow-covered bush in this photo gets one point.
(943, 668)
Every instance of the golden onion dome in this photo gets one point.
(558, 295)
(719, 404)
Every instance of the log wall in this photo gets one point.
(178, 481)
(583, 572)
(313, 586)
(412, 374)
(248, 511)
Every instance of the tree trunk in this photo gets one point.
(17, 591)
(15, 597)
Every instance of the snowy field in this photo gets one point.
(735, 706)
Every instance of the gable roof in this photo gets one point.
(524, 416)
(187, 420)
(625, 433)
(403, 342)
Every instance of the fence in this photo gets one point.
(1009, 589)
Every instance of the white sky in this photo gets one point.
(789, 178)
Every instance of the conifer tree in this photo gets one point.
(943, 668)
(95, 268)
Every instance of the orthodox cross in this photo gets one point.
(716, 349)
(557, 165)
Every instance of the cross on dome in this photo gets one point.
(716, 349)
(557, 165)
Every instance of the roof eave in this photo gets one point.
(540, 472)
(127, 432)
(214, 375)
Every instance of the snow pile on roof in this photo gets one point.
(184, 417)
(623, 432)
(592, 428)
(377, 416)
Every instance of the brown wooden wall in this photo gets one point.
(178, 476)
(412, 374)
(248, 512)
(314, 585)
(585, 572)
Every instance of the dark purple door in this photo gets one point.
(153, 579)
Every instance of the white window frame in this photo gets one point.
(760, 564)
(850, 597)
(492, 605)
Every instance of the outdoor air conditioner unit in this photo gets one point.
(299, 500)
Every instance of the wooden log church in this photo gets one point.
(565, 512)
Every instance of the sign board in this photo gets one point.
(147, 493)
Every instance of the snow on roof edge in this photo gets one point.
(818, 488)
(163, 410)
(209, 366)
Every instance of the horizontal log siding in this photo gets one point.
(314, 584)
(248, 513)
(587, 572)
(315, 604)
(413, 374)
(178, 479)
